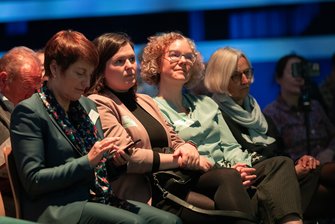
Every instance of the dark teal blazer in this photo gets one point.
(55, 178)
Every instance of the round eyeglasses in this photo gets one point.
(237, 75)
(175, 56)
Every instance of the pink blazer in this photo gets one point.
(117, 120)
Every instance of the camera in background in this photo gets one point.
(305, 69)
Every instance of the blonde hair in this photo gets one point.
(155, 49)
(221, 67)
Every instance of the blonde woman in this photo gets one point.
(229, 76)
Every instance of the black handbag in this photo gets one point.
(174, 186)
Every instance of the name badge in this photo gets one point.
(184, 122)
(128, 122)
(93, 116)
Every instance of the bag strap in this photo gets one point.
(232, 213)
(228, 213)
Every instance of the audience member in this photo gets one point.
(20, 76)
(199, 88)
(327, 89)
(133, 116)
(59, 149)
(40, 55)
(304, 130)
(229, 76)
(142, 87)
(170, 60)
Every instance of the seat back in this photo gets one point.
(2, 207)
(13, 179)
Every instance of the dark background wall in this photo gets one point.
(264, 29)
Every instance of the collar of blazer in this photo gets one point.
(90, 108)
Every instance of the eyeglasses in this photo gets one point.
(175, 56)
(237, 75)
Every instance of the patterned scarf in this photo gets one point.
(83, 134)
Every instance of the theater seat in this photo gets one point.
(13, 178)
(2, 207)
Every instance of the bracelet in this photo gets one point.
(156, 162)
(192, 143)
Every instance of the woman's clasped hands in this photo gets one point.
(189, 158)
(305, 164)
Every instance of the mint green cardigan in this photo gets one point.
(205, 126)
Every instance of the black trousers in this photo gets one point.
(277, 192)
(216, 189)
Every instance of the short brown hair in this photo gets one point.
(66, 47)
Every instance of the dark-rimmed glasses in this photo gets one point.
(237, 75)
(175, 56)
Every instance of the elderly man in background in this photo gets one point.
(20, 76)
